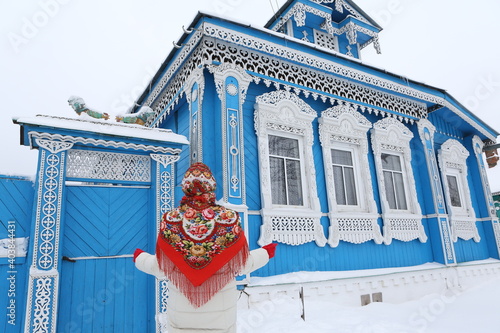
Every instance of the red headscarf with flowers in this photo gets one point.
(201, 246)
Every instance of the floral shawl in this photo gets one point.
(201, 246)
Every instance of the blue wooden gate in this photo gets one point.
(101, 291)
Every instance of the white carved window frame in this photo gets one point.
(342, 127)
(284, 114)
(452, 159)
(390, 136)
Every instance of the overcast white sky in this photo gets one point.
(106, 52)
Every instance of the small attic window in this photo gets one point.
(326, 40)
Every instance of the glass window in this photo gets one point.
(343, 177)
(454, 191)
(394, 183)
(285, 170)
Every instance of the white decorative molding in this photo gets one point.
(391, 136)
(42, 300)
(453, 162)
(54, 146)
(225, 70)
(165, 180)
(99, 142)
(315, 74)
(283, 112)
(294, 228)
(342, 127)
(92, 164)
(165, 160)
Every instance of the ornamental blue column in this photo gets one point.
(232, 83)
(441, 219)
(41, 306)
(164, 192)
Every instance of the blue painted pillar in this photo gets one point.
(444, 251)
(43, 288)
(164, 201)
(194, 90)
(232, 83)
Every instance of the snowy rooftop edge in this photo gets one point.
(312, 277)
(89, 124)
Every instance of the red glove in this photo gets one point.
(271, 249)
(136, 253)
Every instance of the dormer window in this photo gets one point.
(325, 40)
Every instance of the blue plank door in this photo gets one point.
(101, 290)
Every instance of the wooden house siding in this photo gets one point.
(16, 204)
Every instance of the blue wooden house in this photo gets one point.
(324, 154)
(345, 165)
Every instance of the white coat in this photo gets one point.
(216, 316)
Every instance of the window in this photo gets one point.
(284, 163)
(352, 209)
(290, 210)
(454, 191)
(401, 210)
(453, 165)
(343, 176)
(394, 181)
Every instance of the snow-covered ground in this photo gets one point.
(473, 310)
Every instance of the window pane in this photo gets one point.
(285, 147)
(454, 192)
(278, 183)
(338, 179)
(341, 157)
(350, 186)
(389, 190)
(391, 162)
(400, 190)
(294, 183)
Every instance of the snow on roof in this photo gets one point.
(101, 126)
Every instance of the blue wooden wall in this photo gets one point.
(347, 256)
(16, 204)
